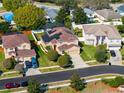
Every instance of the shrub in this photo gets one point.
(64, 60)
(121, 28)
(9, 63)
(52, 55)
(114, 82)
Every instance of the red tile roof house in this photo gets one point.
(62, 40)
(18, 46)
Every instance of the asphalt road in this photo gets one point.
(64, 75)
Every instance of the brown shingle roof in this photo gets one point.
(12, 41)
(26, 53)
(102, 30)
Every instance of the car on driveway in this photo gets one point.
(112, 52)
(12, 85)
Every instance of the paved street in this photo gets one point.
(64, 75)
(78, 62)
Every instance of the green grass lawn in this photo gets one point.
(10, 75)
(2, 57)
(30, 37)
(88, 52)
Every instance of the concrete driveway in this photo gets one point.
(117, 59)
(32, 71)
(78, 62)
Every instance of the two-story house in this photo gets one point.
(96, 34)
(62, 40)
(17, 46)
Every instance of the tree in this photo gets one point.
(4, 27)
(64, 60)
(68, 22)
(12, 5)
(79, 16)
(76, 82)
(101, 56)
(33, 86)
(29, 17)
(122, 20)
(62, 14)
(9, 63)
(52, 55)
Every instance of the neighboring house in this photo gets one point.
(62, 40)
(18, 46)
(89, 13)
(120, 10)
(106, 15)
(96, 34)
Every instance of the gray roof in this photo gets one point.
(102, 30)
(121, 8)
(108, 14)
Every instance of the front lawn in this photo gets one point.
(2, 57)
(88, 52)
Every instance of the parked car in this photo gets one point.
(24, 83)
(12, 85)
(112, 53)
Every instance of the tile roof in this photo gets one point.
(66, 47)
(102, 30)
(26, 53)
(12, 41)
(108, 14)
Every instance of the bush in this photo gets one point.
(101, 56)
(64, 60)
(52, 55)
(121, 28)
(9, 63)
(114, 82)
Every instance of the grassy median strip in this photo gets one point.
(51, 69)
(10, 75)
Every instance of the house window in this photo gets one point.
(11, 49)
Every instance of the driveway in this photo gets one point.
(78, 62)
(32, 71)
(117, 60)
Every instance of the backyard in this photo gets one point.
(95, 87)
(41, 55)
